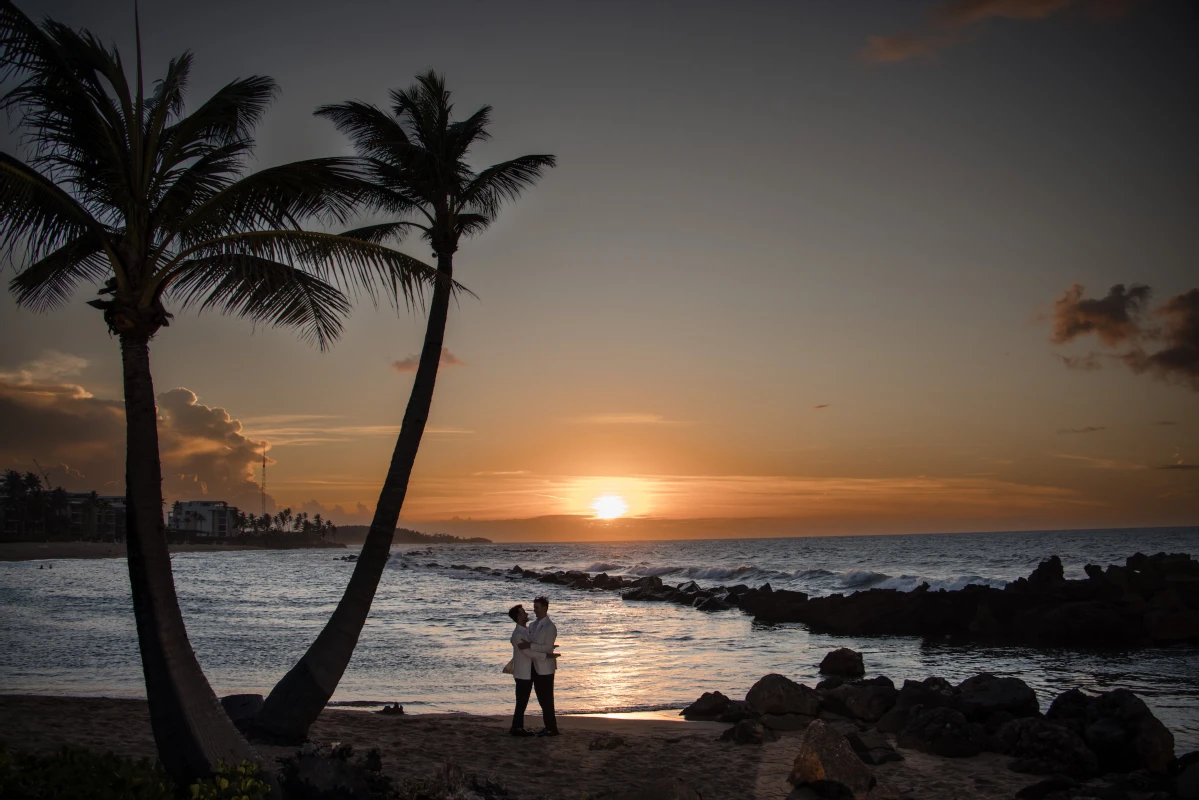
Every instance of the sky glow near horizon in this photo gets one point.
(790, 266)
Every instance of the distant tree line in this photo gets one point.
(30, 508)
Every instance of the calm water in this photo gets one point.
(437, 638)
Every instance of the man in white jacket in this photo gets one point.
(542, 634)
(522, 667)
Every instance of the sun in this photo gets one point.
(609, 506)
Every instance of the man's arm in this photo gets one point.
(544, 643)
(521, 640)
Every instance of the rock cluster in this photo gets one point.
(1151, 600)
(1109, 742)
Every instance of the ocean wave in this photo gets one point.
(906, 583)
(719, 573)
(809, 573)
(858, 578)
(647, 571)
(602, 566)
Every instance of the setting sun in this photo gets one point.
(610, 506)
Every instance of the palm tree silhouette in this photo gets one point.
(416, 157)
(153, 201)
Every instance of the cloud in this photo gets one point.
(1118, 320)
(80, 438)
(1164, 422)
(1178, 360)
(957, 21)
(822, 405)
(52, 367)
(1099, 463)
(627, 419)
(1088, 429)
(1113, 318)
(410, 363)
(1180, 466)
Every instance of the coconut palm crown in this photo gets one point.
(132, 191)
(418, 172)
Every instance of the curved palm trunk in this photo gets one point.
(191, 730)
(298, 699)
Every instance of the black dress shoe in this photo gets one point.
(521, 732)
(548, 732)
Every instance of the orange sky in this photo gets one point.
(839, 318)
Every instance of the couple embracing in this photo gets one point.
(533, 664)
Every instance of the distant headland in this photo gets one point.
(356, 534)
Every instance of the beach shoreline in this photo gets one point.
(568, 766)
(61, 551)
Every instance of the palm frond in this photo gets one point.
(463, 134)
(374, 134)
(47, 284)
(354, 266)
(380, 233)
(488, 191)
(37, 213)
(470, 224)
(263, 290)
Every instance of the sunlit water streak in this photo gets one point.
(437, 638)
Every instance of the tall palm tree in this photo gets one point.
(134, 191)
(417, 157)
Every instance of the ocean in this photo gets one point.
(437, 638)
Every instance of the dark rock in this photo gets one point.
(930, 693)
(1042, 747)
(607, 742)
(395, 709)
(872, 747)
(688, 586)
(1037, 791)
(843, 662)
(786, 722)
(1070, 709)
(749, 731)
(866, 700)
(713, 604)
(516, 569)
(1186, 782)
(828, 765)
(1125, 735)
(982, 695)
(1047, 573)
(737, 711)
(778, 694)
(940, 731)
(242, 709)
(710, 705)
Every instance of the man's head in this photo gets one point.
(541, 606)
(518, 614)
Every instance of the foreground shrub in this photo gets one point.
(74, 773)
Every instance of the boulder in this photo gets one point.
(872, 747)
(778, 694)
(866, 700)
(749, 731)
(1042, 747)
(1125, 735)
(1047, 573)
(1186, 782)
(982, 695)
(737, 711)
(713, 604)
(843, 662)
(827, 764)
(1118, 727)
(689, 587)
(710, 705)
(930, 693)
(786, 722)
(1041, 789)
(940, 731)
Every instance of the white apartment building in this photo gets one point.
(204, 518)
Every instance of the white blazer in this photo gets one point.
(522, 660)
(542, 635)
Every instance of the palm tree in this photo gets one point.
(153, 201)
(417, 164)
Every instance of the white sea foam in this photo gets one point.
(602, 566)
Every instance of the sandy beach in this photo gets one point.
(656, 746)
(51, 551)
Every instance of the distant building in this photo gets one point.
(204, 518)
(100, 516)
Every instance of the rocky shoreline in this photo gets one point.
(1107, 746)
(1149, 601)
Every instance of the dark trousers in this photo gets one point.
(544, 686)
(523, 688)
